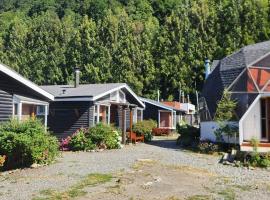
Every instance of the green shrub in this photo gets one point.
(25, 143)
(79, 142)
(112, 141)
(145, 128)
(103, 134)
(189, 135)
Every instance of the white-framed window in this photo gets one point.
(15, 109)
(139, 114)
(118, 96)
(122, 96)
(96, 110)
(114, 96)
(40, 110)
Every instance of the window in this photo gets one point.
(114, 96)
(96, 114)
(15, 108)
(139, 115)
(40, 110)
(122, 96)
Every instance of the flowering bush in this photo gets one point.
(104, 135)
(79, 141)
(25, 143)
(100, 136)
(2, 160)
(64, 143)
(145, 128)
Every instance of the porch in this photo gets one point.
(255, 124)
(24, 108)
(167, 119)
(120, 115)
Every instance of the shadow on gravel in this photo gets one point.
(168, 144)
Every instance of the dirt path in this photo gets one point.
(159, 170)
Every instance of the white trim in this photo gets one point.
(258, 89)
(20, 111)
(265, 86)
(46, 116)
(109, 114)
(74, 99)
(145, 100)
(257, 67)
(98, 113)
(241, 133)
(236, 79)
(259, 59)
(6, 70)
(249, 66)
(119, 88)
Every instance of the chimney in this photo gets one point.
(77, 77)
(158, 95)
(207, 68)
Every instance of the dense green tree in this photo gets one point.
(149, 44)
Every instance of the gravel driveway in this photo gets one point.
(72, 167)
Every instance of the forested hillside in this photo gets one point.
(149, 44)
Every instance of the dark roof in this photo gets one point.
(83, 90)
(161, 105)
(88, 91)
(227, 70)
(214, 64)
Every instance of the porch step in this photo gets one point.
(247, 144)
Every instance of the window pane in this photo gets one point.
(263, 113)
(263, 128)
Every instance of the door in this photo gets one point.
(265, 119)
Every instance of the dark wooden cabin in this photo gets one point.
(166, 116)
(20, 97)
(85, 105)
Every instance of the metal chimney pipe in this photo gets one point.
(77, 77)
(207, 68)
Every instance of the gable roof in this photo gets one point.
(11, 73)
(228, 69)
(161, 105)
(90, 92)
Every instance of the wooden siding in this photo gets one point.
(151, 112)
(5, 106)
(67, 117)
(91, 115)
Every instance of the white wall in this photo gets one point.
(208, 128)
(251, 125)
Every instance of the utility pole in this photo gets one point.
(179, 93)
(197, 100)
(183, 97)
(158, 95)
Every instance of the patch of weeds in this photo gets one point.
(47, 192)
(190, 169)
(199, 197)
(228, 194)
(243, 187)
(143, 162)
(76, 190)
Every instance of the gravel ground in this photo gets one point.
(72, 167)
